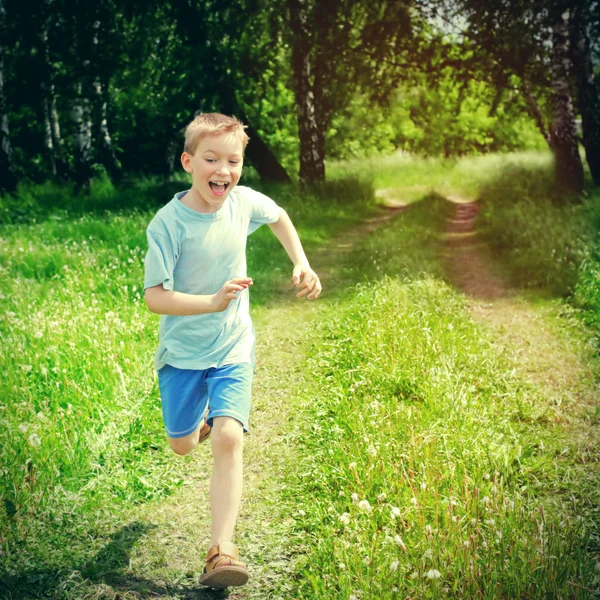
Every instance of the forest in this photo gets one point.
(90, 89)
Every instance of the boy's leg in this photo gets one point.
(227, 442)
(184, 397)
(184, 445)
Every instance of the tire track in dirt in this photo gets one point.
(467, 259)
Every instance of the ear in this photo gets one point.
(186, 162)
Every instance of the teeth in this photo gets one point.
(220, 182)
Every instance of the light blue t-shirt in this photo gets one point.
(197, 253)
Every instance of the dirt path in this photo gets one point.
(546, 348)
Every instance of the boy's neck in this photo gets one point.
(194, 201)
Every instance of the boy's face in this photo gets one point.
(216, 168)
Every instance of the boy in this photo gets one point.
(196, 279)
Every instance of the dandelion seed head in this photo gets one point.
(381, 497)
(433, 574)
(34, 440)
(414, 501)
(428, 529)
(23, 427)
(354, 498)
(352, 465)
(395, 512)
(394, 566)
(367, 560)
(344, 518)
(342, 566)
(423, 485)
(364, 505)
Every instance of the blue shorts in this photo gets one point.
(186, 393)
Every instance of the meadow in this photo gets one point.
(431, 463)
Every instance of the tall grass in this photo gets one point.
(81, 431)
(433, 470)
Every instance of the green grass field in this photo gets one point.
(430, 464)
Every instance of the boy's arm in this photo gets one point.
(303, 276)
(167, 302)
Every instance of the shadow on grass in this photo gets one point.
(104, 576)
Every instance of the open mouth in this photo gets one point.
(218, 188)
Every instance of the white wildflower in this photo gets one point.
(23, 427)
(423, 485)
(381, 497)
(414, 501)
(433, 574)
(301, 513)
(394, 566)
(34, 440)
(342, 566)
(344, 518)
(400, 542)
(395, 512)
(354, 498)
(26, 368)
(372, 450)
(38, 334)
(466, 543)
(364, 505)
(341, 493)
(367, 560)
(428, 529)
(352, 465)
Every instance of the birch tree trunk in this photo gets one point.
(587, 91)
(53, 141)
(106, 149)
(312, 163)
(8, 178)
(563, 136)
(81, 123)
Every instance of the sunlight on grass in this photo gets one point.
(408, 178)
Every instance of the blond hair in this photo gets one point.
(212, 124)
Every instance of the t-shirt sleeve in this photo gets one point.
(262, 209)
(160, 260)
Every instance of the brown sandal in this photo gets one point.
(223, 569)
(204, 432)
(205, 429)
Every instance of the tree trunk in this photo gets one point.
(312, 161)
(106, 150)
(587, 92)
(8, 177)
(81, 123)
(53, 141)
(265, 162)
(569, 170)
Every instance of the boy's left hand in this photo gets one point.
(306, 279)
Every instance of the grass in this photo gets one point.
(409, 178)
(412, 406)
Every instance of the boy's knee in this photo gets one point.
(181, 446)
(227, 435)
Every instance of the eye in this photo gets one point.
(234, 162)
(210, 160)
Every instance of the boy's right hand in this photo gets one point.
(229, 292)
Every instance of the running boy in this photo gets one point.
(196, 279)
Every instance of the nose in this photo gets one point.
(223, 169)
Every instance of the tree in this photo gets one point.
(8, 179)
(338, 47)
(563, 136)
(587, 89)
